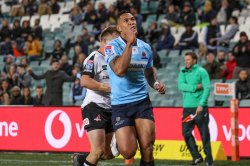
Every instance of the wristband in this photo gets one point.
(156, 83)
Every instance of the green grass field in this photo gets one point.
(62, 159)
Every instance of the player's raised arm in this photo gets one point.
(127, 28)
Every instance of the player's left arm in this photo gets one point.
(151, 77)
(205, 81)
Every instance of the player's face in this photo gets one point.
(127, 21)
(189, 61)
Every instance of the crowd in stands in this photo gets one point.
(174, 25)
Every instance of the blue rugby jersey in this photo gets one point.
(133, 85)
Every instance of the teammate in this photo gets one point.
(130, 64)
(194, 82)
(96, 107)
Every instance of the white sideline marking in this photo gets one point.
(34, 161)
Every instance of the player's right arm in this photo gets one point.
(90, 83)
(120, 64)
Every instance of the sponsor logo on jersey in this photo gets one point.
(135, 50)
(109, 50)
(136, 67)
(104, 67)
(98, 118)
(144, 55)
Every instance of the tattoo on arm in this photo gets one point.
(151, 76)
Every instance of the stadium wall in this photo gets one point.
(60, 129)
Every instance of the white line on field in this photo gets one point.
(34, 161)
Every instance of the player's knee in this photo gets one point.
(128, 155)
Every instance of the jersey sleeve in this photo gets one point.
(89, 67)
(150, 56)
(111, 50)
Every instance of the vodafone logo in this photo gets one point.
(213, 128)
(65, 120)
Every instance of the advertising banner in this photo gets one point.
(61, 128)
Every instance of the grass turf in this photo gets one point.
(64, 159)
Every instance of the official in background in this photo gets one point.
(194, 83)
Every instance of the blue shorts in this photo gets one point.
(125, 114)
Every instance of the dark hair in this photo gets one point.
(192, 54)
(39, 87)
(108, 31)
(121, 13)
(235, 19)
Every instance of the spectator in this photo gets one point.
(76, 15)
(16, 97)
(78, 93)
(228, 68)
(187, 15)
(83, 44)
(6, 47)
(212, 67)
(44, 8)
(16, 30)
(102, 14)
(80, 59)
(172, 15)
(26, 29)
(124, 4)
(241, 51)
(165, 38)
(55, 8)
(224, 40)
(64, 65)
(5, 30)
(25, 62)
(33, 47)
(38, 99)
(12, 76)
(221, 57)
(90, 15)
(208, 13)
(77, 51)
(152, 33)
(27, 99)
(54, 82)
(112, 13)
(37, 30)
(243, 85)
(224, 13)
(24, 79)
(83, 3)
(58, 50)
(5, 87)
(139, 20)
(5, 99)
(17, 50)
(211, 32)
(9, 60)
(189, 39)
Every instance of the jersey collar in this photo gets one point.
(125, 42)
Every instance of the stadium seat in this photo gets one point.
(245, 103)
(32, 19)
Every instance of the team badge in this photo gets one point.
(109, 50)
(89, 64)
(144, 55)
(86, 121)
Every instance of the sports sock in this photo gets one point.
(144, 163)
(86, 163)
